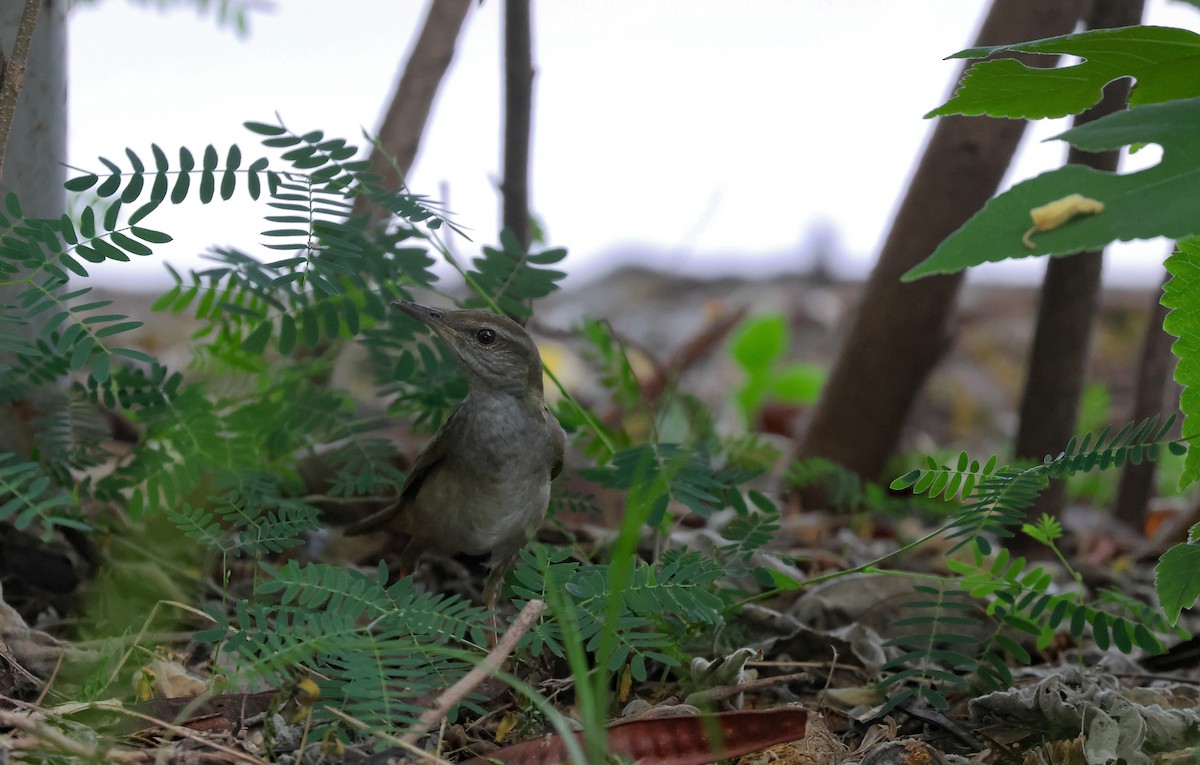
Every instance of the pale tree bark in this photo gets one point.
(36, 146)
(33, 155)
(518, 117)
(1067, 309)
(1153, 394)
(898, 331)
(408, 111)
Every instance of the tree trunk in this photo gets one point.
(1070, 293)
(1153, 375)
(518, 116)
(407, 114)
(33, 164)
(897, 334)
(37, 143)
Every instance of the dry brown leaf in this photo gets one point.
(683, 740)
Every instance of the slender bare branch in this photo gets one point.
(406, 116)
(495, 658)
(518, 117)
(14, 73)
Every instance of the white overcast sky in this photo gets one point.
(714, 132)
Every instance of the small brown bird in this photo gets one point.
(482, 484)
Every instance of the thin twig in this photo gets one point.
(518, 118)
(480, 672)
(412, 749)
(47, 734)
(14, 73)
(239, 755)
(50, 680)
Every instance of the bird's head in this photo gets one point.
(494, 352)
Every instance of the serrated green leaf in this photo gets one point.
(1182, 297)
(1164, 61)
(1177, 579)
(1141, 205)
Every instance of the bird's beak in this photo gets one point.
(432, 318)
(427, 316)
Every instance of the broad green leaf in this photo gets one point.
(1157, 201)
(1183, 298)
(1164, 61)
(759, 342)
(799, 383)
(1177, 579)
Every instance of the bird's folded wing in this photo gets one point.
(428, 460)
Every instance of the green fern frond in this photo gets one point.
(383, 647)
(130, 186)
(996, 497)
(752, 530)
(1023, 600)
(944, 481)
(29, 494)
(509, 276)
(73, 334)
(680, 589)
(564, 500)
(328, 161)
(937, 641)
(254, 519)
(364, 466)
(688, 475)
(70, 433)
(615, 372)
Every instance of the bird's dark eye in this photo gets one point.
(486, 336)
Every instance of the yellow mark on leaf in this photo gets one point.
(1053, 214)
